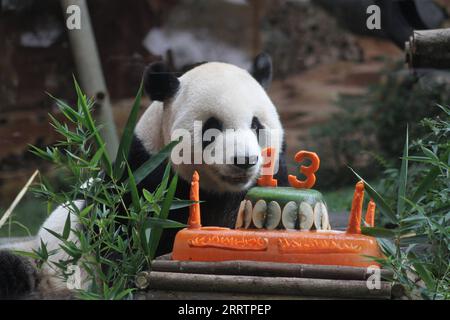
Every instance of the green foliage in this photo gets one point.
(111, 240)
(368, 130)
(400, 99)
(417, 249)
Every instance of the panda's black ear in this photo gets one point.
(262, 69)
(159, 83)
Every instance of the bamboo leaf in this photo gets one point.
(124, 294)
(444, 108)
(403, 178)
(127, 136)
(147, 195)
(387, 246)
(426, 183)
(151, 164)
(381, 203)
(169, 197)
(27, 254)
(66, 231)
(423, 272)
(133, 189)
(164, 223)
(40, 153)
(178, 204)
(441, 210)
(157, 231)
(43, 251)
(163, 186)
(67, 110)
(378, 232)
(96, 158)
(56, 235)
(430, 154)
(91, 126)
(414, 239)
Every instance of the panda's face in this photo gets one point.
(234, 112)
(225, 118)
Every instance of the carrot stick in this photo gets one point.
(354, 224)
(194, 221)
(370, 213)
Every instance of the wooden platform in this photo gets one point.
(226, 280)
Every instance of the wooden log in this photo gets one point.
(266, 285)
(266, 269)
(192, 295)
(429, 49)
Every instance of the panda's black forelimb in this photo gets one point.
(18, 276)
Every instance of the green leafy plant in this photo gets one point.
(114, 239)
(417, 248)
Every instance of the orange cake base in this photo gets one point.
(305, 247)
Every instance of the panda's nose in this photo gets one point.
(245, 162)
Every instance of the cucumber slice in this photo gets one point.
(290, 216)
(248, 210)
(306, 216)
(273, 216)
(259, 214)
(240, 216)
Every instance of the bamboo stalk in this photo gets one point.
(266, 285)
(90, 74)
(266, 269)
(17, 199)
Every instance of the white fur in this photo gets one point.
(226, 92)
(55, 222)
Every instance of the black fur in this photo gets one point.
(262, 69)
(216, 210)
(159, 83)
(18, 276)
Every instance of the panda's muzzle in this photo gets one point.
(245, 163)
(241, 179)
(243, 170)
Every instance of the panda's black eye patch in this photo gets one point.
(256, 125)
(211, 123)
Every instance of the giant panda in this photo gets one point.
(221, 96)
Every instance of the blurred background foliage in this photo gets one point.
(368, 130)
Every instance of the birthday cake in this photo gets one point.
(281, 224)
